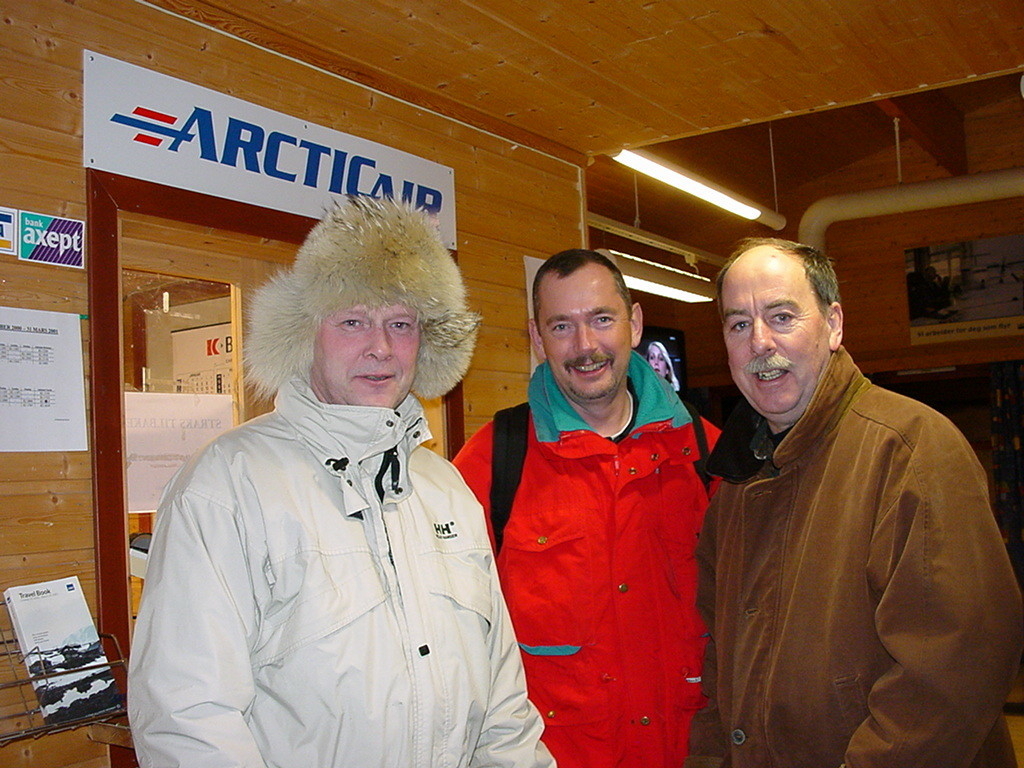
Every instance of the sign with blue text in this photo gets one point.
(151, 126)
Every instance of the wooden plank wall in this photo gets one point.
(869, 256)
(511, 201)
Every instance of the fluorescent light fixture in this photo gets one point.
(696, 185)
(643, 275)
(688, 252)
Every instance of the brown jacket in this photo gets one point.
(861, 602)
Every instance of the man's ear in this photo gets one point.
(834, 318)
(536, 341)
(636, 323)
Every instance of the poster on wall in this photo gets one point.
(966, 290)
(147, 125)
(42, 389)
(202, 360)
(161, 431)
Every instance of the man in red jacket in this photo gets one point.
(597, 555)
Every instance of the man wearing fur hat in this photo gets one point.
(321, 590)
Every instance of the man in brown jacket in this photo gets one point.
(860, 601)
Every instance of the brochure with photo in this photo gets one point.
(62, 650)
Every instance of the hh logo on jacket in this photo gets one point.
(445, 530)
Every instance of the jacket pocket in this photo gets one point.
(550, 590)
(314, 595)
(564, 686)
(853, 701)
(462, 578)
(676, 551)
(548, 585)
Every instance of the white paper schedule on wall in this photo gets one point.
(63, 654)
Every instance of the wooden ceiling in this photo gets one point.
(760, 96)
(789, 163)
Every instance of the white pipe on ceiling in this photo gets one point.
(959, 190)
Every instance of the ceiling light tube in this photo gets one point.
(643, 275)
(688, 252)
(696, 185)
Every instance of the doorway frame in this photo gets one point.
(107, 195)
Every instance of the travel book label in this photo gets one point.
(62, 650)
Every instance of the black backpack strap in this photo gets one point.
(509, 453)
(702, 446)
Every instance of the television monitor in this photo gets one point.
(665, 350)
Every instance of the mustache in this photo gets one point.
(773, 362)
(591, 359)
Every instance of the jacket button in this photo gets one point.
(655, 456)
(542, 539)
(623, 587)
(645, 720)
(738, 737)
(632, 470)
(551, 713)
(686, 451)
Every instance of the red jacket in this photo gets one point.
(597, 567)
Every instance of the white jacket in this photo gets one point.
(291, 619)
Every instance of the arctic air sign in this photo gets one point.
(150, 126)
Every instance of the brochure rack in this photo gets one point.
(20, 713)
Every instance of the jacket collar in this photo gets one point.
(352, 440)
(553, 415)
(744, 447)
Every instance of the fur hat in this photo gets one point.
(366, 252)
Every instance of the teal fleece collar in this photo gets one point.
(553, 414)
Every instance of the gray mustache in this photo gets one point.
(774, 361)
